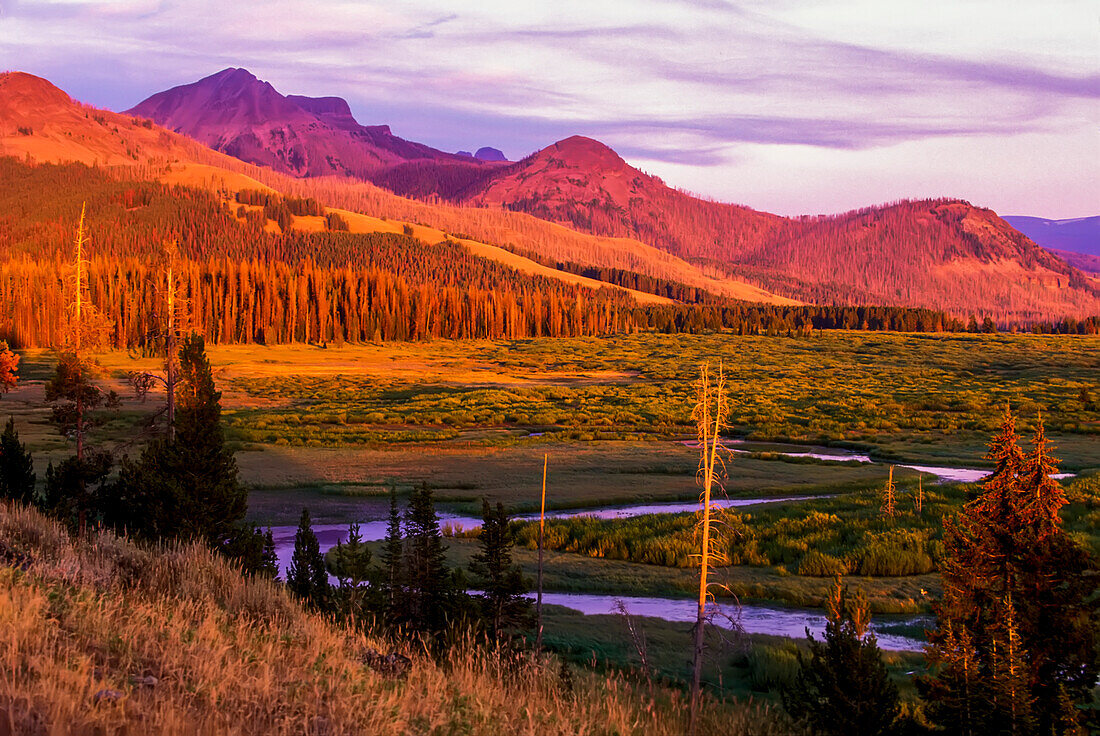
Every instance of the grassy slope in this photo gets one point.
(231, 655)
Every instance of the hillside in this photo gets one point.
(940, 254)
(40, 122)
(110, 637)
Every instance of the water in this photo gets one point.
(753, 619)
(375, 530)
(943, 474)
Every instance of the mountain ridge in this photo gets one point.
(941, 254)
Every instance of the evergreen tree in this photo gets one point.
(185, 485)
(307, 577)
(429, 585)
(1015, 649)
(16, 467)
(502, 601)
(350, 563)
(253, 549)
(844, 689)
(74, 489)
(391, 557)
(75, 396)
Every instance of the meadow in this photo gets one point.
(334, 428)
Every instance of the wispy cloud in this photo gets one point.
(697, 86)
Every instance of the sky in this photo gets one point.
(789, 106)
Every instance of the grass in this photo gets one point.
(847, 529)
(573, 573)
(918, 397)
(745, 665)
(102, 636)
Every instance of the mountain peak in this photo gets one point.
(488, 153)
(25, 91)
(587, 152)
(333, 109)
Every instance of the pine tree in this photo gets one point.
(253, 549)
(350, 563)
(185, 486)
(502, 601)
(73, 489)
(307, 577)
(75, 396)
(843, 688)
(16, 467)
(391, 558)
(429, 585)
(1017, 590)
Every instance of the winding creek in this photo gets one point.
(943, 474)
(752, 618)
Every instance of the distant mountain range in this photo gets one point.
(1079, 235)
(942, 254)
(1076, 240)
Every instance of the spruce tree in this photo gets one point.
(502, 602)
(253, 549)
(1015, 649)
(391, 558)
(74, 488)
(844, 689)
(350, 563)
(16, 467)
(307, 577)
(429, 585)
(185, 485)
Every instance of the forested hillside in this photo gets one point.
(246, 280)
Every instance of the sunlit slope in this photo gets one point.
(39, 121)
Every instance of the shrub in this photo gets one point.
(820, 565)
(772, 667)
(895, 553)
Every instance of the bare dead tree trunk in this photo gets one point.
(542, 529)
(710, 419)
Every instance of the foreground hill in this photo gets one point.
(941, 254)
(104, 636)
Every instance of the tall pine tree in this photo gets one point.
(185, 485)
(1015, 649)
(502, 601)
(16, 467)
(430, 594)
(306, 577)
(390, 578)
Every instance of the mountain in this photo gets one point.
(1082, 261)
(486, 153)
(236, 113)
(944, 254)
(582, 202)
(1078, 235)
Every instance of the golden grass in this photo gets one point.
(105, 637)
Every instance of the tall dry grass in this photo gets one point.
(100, 636)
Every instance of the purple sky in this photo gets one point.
(791, 106)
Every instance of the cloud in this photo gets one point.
(687, 83)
